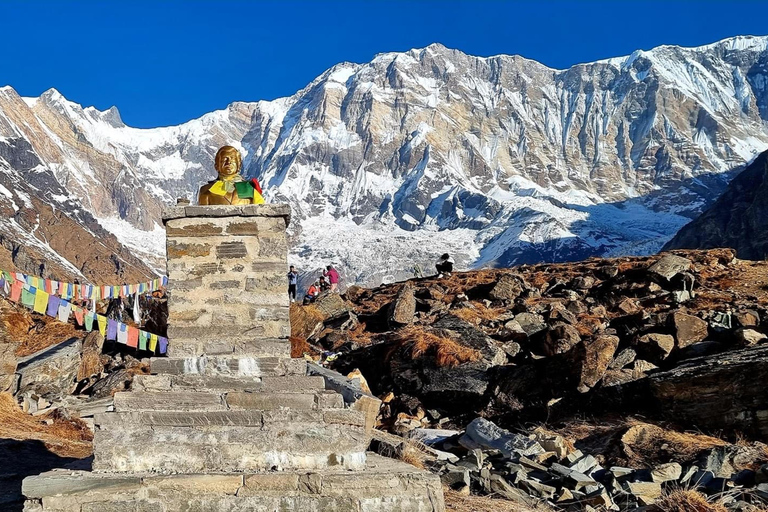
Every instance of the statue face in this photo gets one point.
(228, 162)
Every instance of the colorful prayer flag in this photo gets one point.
(143, 336)
(101, 321)
(16, 291)
(53, 306)
(79, 315)
(64, 309)
(163, 342)
(89, 321)
(41, 302)
(133, 337)
(122, 333)
(28, 297)
(152, 342)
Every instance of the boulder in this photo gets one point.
(531, 323)
(403, 308)
(667, 472)
(90, 360)
(749, 337)
(595, 356)
(52, 372)
(490, 436)
(560, 338)
(688, 329)
(695, 393)
(509, 287)
(747, 318)
(8, 367)
(669, 265)
(655, 346)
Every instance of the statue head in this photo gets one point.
(228, 162)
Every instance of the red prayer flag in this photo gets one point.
(133, 337)
(79, 315)
(16, 291)
(256, 185)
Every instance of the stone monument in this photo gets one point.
(228, 421)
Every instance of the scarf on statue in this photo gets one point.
(245, 189)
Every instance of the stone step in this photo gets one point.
(383, 484)
(221, 448)
(261, 419)
(216, 400)
(233, 366)
(259, 347)
(287, 383)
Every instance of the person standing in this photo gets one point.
(333, 277)
(293, 278)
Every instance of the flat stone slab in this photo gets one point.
(233, 366)
(218, 400)
(287, 383)
(250, 210)
(382, 485)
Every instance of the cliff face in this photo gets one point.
(738, 219)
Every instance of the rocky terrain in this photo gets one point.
(738, 219)
(606, 383)
(499, 160)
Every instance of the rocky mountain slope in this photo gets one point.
(609, 382)
(499, 160)
(738, 219)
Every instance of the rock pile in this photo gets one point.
(546, 467)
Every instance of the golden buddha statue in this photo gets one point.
(230, 187)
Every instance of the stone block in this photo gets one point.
(268, 401)
(179, 419)
(231, 250)
(249, 227)
(184, 228)
(168, 401)
(176, 249)
(216, 484)
(62, 482)
(277, 483)
(234, 366)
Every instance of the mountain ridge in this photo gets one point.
(498, 160)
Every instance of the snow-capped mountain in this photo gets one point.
(497, 160)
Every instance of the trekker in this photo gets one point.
(324, 284)
(444, 265)
(312, 293)
(333, 277)
(293, 278)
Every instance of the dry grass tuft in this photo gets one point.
(477, 313)
(66, 438)
(447, 353)
(686, 500)
(412, 455)
(300, 346)
(650, 444)
(456, 502)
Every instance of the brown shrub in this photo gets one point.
(418, 342)
(477, 313)
(646, 444)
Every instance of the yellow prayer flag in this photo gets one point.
(152, 342)
(218, 188)
(41, 302)
(257, 198)
(102, 320)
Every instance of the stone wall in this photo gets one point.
(227, 280)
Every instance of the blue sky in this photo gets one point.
(165, 62)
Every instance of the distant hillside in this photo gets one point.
(738, 219)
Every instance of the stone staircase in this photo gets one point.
(229, 422)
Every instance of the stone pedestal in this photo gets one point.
(229, 421)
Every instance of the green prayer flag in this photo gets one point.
(244, 189)
(143, 336)
(28, 297)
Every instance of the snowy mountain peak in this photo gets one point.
(496, 160)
